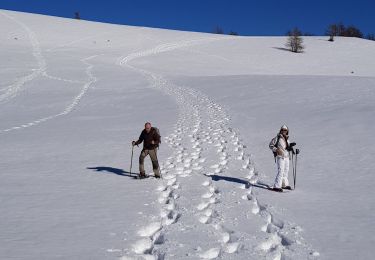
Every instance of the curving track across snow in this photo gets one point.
(14, 89)
(91, 80)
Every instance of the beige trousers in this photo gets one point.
(154, 160)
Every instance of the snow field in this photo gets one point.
(82, 93)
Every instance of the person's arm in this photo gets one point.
(272, 144)
(139, 141)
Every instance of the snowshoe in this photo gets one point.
(276, 189)
(142, 176)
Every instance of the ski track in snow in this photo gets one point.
(91, 79)
(45, 74)
(203, 126)
(14, 89)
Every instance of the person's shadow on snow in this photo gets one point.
(229, 179)
(238, 180)
(112, 170)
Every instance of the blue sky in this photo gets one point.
(273, 17)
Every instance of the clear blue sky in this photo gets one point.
(247, 17)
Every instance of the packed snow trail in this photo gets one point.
(197, 197)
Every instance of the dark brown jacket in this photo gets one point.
(146, 138)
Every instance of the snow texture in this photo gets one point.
(74, 94)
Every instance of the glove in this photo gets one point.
(279, 152)
(133, 143)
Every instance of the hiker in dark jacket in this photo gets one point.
(151, 140)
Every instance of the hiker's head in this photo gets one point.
(284, 130)
(148, 127)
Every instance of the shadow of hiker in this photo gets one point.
(229, 179)
(247, 184)
(261, 185)
(116, 171)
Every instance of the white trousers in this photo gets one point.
(282, 172)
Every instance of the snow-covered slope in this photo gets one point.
(74, 94)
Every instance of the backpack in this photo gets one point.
(158, 133)
(276, 145)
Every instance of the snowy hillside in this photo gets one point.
(74, 94)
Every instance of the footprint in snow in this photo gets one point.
(143, 246)
(210, 254)
(150, 230)
(203, 205)
(206, 183)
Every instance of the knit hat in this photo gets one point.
(284, 127)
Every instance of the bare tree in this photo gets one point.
(233, 33)
(218, 30)
(294, 42)
(332, 31)
(77, 16)
(352, 31)
(371, 37)
(341, 29)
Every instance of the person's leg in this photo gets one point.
(286, 173)
(142, 156)
(155, 163)
(279, 174)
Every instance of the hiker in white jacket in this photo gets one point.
(280, 147)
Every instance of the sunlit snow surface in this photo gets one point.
(74, 94)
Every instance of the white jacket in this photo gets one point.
(282, 145)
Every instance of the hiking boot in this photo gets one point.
(142, 175)
(157, 176)
(287, 188)
(277, 189)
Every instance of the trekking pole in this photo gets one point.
(293, 163)
(295, 171)
(131, 161)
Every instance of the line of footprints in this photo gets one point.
(202, 130)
